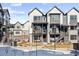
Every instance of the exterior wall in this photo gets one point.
(65, 20)
(26, 26)
(73, 32)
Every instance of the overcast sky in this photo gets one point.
(19, 12)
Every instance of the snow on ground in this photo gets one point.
(27, 49)
(33, 49)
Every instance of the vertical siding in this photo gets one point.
(65, 21)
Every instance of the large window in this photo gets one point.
(55, 18)
(18, 27)
(36, 18)
(73, 37)
(36, 37)
(39, 18)
(17, 32)
(73, 19)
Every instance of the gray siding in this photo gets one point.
(65, 21)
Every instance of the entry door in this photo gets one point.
(76, 46)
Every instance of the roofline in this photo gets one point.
(17, 22)
(7, 11)
(36, 9)
(71, 9)
(56, 8)
(1, 6)
(26, 22)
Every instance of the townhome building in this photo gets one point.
(38, 26)
(54, 26)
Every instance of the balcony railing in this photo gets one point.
(40, 31)
(54, 31)
(55, 21)
(37, 31)
(74, 22)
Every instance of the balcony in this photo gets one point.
(73, 22)
(54, 32)
(40, 19)
(73, 32)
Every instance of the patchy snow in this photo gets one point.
(31, 51)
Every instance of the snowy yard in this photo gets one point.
(9, 51)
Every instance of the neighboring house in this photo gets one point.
(1, 21)
(20, 31)
(54, 26)
(17, 29)
(4, 24)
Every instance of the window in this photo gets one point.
(73, 27)
(54, 17)
(18, 26)
(36, 37)
(36, 18)
(17, 32)
(73, 19)
(73, 37)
